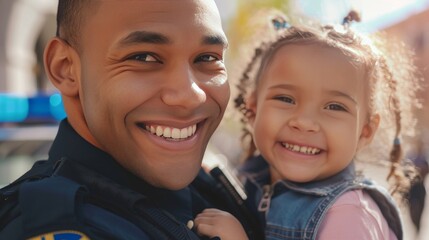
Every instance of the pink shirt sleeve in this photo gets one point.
(355, 215)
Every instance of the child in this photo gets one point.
(318, 96)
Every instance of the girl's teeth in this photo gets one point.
(301, 149)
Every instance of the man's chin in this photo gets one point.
(173, 186)
(175, 181)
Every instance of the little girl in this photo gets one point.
(313, 97)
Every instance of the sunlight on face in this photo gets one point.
(311, 112)
(151, 95)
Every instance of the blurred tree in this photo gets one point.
(241, 31)
(242, 26)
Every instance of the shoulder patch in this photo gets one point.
(61, 235)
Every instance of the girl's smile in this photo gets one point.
(306, 105)
(301, 149)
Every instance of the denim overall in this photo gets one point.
(296, 210)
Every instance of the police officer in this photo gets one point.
(144, 86)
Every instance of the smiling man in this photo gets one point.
(144, 86)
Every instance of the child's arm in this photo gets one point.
(216, 223)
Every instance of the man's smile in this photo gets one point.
(170, 133)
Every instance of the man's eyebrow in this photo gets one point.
(215, 40)
(157, 38)
(144, 37)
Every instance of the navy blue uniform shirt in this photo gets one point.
(100, 221)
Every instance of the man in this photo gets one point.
(144, 86)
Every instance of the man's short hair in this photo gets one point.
(70, 17)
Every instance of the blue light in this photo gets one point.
(13, 108)
(40, 108)
(45, 108)
(55, 100)
(56, 107)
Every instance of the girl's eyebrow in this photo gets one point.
(342, 94)
(336, 93)
(283, 86)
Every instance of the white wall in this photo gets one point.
(25, 20)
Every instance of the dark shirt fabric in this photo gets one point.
(99, 221)
(68, 144)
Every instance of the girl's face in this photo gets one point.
(311, 113)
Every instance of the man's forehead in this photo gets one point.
(201, 4)
(159, 10)
(160, 21)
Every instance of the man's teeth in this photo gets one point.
(301, 149)
(174, 133)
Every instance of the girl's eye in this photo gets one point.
(336, 107)
(206, 58)
(144, 57)
(285, 99)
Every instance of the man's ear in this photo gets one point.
(62, 66)
(251, 103)
(368, 131)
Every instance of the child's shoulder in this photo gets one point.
(356, 198)
(356, 212)
(357, 202)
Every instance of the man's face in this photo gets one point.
(153, 85)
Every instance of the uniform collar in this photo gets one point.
(69, 144)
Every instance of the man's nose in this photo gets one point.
(183, 89)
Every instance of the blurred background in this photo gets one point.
(30, 107)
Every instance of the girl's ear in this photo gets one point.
(368, 131)
(62, 66)
(251, 103)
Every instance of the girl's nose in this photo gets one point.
(305, 123)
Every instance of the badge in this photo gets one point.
(61, 235)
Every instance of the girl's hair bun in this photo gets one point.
(352, 16)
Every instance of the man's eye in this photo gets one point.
(206, 58)
(144, 57)
(336, 107)
(285, 99)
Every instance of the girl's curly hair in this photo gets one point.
(388, 69)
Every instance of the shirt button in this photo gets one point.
(190, 224)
